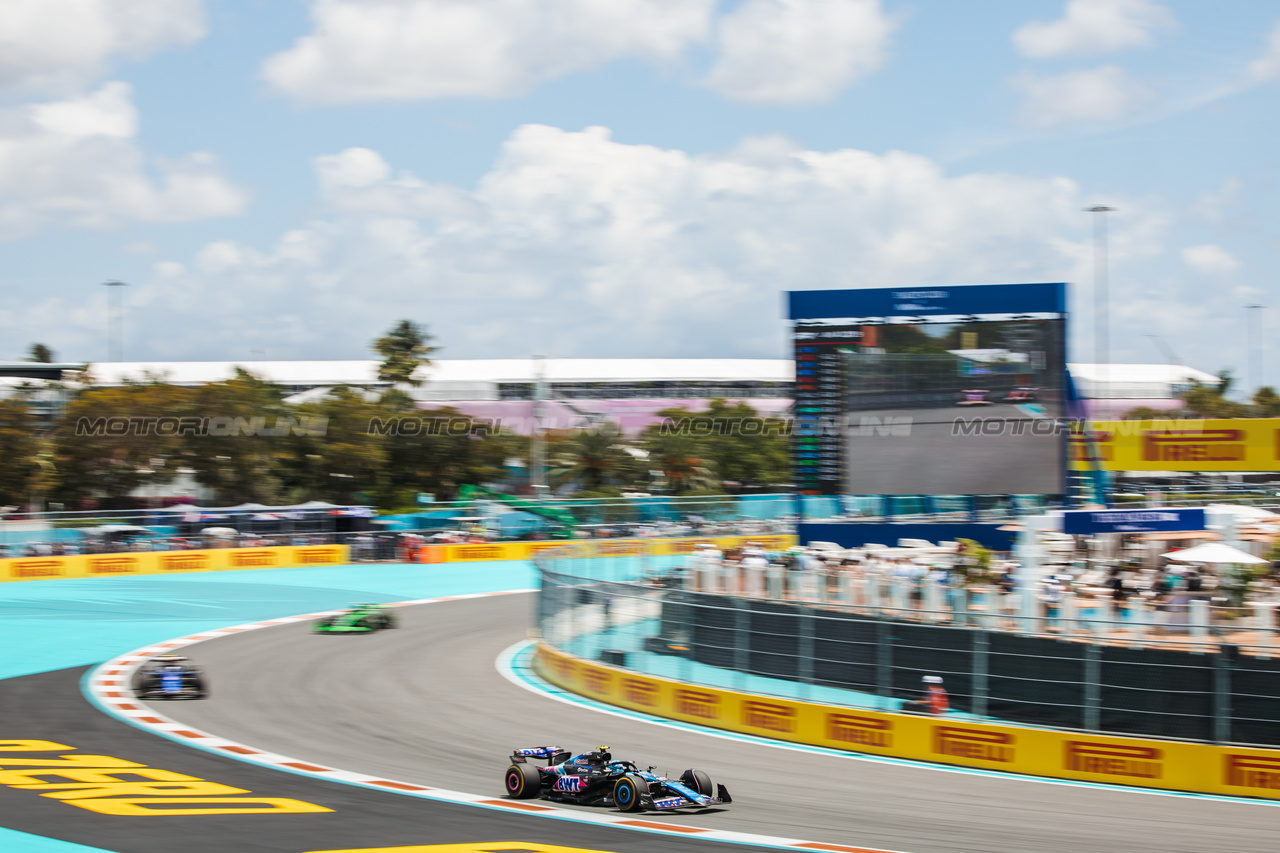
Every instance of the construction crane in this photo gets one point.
(1169, 355)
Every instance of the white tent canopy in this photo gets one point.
(1245, 513)
(1213, 552)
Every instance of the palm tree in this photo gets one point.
(592, 459)
(681, 462)
(403, 349)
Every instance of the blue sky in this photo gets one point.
(287, 179)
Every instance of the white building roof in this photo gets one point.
(462, 370)
(1168, 374)
(477, 379)
(1136, 381)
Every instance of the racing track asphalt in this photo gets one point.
(425, 704)
(49, 706)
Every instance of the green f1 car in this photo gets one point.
(360, 619)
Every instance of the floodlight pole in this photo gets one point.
(538, 444)
(1101, 343)
(115, 321)
(1255, 343)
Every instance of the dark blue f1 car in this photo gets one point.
(170, 677)
(595, 779)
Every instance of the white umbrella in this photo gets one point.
(220, 531)
(1213, 552)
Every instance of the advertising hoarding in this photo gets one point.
(1239, 444)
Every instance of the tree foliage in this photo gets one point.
(19, 447)
(591, 459)
(1210, 401)
(405, 348)
(725, 444)
(94, 460)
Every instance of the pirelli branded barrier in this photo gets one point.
(598, 547)
(1171, 765)
(171, 562)
(1239, 444)
(281, 557)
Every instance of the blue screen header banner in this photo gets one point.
(886, 302)
(1132, 520)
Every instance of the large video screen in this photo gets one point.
(966, 408)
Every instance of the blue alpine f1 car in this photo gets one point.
(170, 677)
(595, 779)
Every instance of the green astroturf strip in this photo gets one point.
(56, 624)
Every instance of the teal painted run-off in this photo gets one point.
(57, 624)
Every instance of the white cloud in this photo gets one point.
(1210, 260)
(798, 51)
(575, 244)
(1101, 94)
(1268, 65)
(60, 44)
(1091, 27)
(75, 162)
(388, 50)
(107, 112)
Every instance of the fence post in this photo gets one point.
(805, 668)
(1199, 619)
(1222, 663)
(898, 596)
(884, 660)
(872, 589)
(742, 639)
(773, 582)
(1264, 622)
(810, 581)
(1092, 686)
(981, 650)
(729, 584)
(1029, 608)
(933, 600)
(1138, 617)
(1067, 615)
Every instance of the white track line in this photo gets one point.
(108, 687)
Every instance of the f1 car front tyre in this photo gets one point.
(699, 781)
(523, 781)
(626, 793)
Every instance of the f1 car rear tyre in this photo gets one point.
(523, 781)
(388, 621)
(626, 792)
(699, 781)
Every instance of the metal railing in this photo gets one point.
(1168, 670)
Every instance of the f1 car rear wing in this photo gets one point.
(551, 754)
